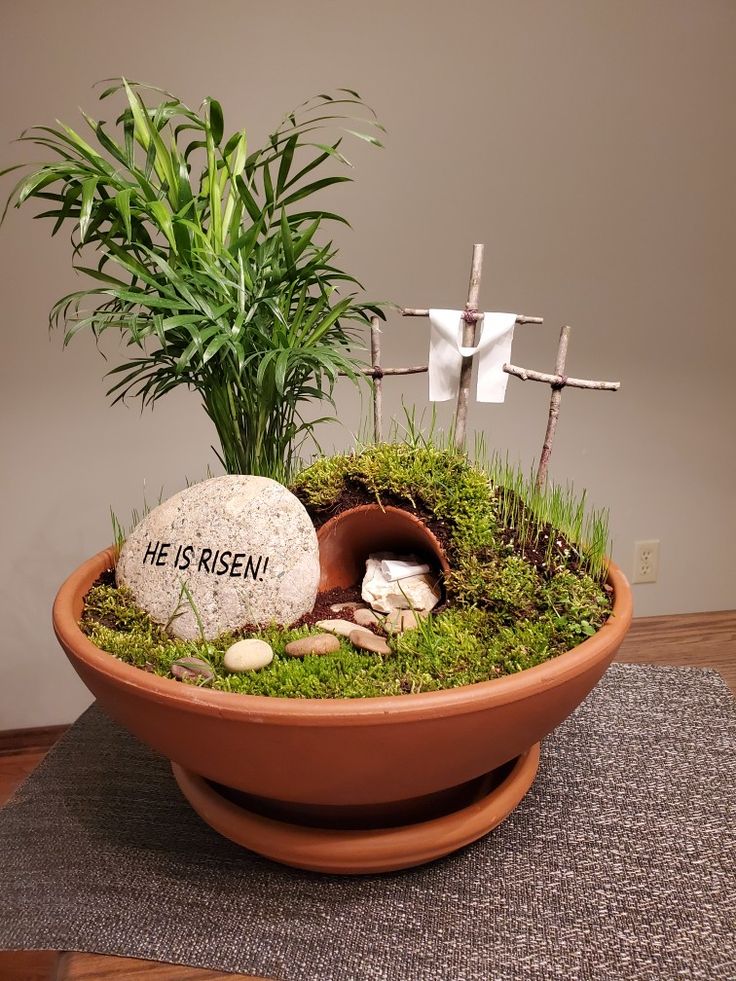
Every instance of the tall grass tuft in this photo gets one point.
(540, 515)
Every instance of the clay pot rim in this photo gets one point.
(375, 710)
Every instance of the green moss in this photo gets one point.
(507, 584)
(456, 647)
(576, 603)
(323, 481)
(509, 607)
(482, 533)
(437, 482)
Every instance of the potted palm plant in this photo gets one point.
(207, 261)
(209, 264)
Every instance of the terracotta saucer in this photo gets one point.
(361, 851)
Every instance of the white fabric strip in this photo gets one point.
(446, 353)
(395, 569)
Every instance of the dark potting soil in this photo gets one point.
(534, 551)
(322, 609)
(324, 602)
(104, 619)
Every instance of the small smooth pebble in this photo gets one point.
(366, 617)
(317, 644)
(247, 655)
(364, 640)
(339, 607)
(401, 620)
(341, 627)
(191, 669)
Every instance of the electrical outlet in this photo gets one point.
(646, 561)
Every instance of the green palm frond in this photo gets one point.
(208, 256)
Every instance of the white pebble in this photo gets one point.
(247, 655)
(341, 627)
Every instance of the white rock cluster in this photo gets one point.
(399, 582)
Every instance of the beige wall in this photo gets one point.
(590, 143)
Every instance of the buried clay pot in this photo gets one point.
(315, 760)
(346, 541)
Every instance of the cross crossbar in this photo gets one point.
(557, 382)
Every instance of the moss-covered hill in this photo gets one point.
(506, 557)
(522, 589)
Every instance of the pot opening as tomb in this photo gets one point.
(346, 541)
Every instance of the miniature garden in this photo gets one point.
(521, 589)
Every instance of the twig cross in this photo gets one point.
(470, 317)
(557, 382)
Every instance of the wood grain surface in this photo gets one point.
(12, 740)
(705, 640)
(92, 967)
(698, 640)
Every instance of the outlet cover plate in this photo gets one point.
(646, 561)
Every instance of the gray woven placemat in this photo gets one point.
(619, 864)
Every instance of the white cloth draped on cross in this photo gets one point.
(446, 353)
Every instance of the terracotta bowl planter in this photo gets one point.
(346, 785)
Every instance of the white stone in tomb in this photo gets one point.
(412, 589)
(244, 546)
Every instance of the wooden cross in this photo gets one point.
(558, 381)
(471, 317)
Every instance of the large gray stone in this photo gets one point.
(244, 546)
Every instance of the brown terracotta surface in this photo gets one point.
(359, 851)
(338, 752)
(346, 541)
